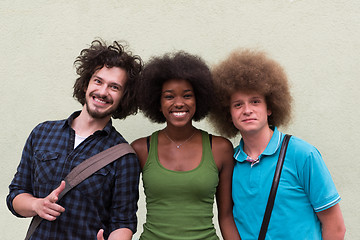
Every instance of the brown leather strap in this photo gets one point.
(83, 171)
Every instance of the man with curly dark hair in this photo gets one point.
(106, 200)
(182, 167)
(253, 100)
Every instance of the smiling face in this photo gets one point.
(178, 102)
(105, 89)
(249, 112)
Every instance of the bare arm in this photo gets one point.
(140, 147)
(27, 205)
(223, 155)
(332, 221)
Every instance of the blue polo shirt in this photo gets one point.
(305, 188)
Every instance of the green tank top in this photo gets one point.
(179, 203)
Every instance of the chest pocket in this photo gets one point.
(45, 166)
(97, 183)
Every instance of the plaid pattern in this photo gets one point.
(107, 199)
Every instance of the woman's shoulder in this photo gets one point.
(221, 142)
(221, 146)
(140, 146)
(141, 142)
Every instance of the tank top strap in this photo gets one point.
(152, 156)
(207, 152)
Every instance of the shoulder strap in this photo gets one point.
(210, 139)
(83, 171)
(148, 143)
(275, 184)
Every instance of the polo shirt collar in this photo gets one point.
(271, 148)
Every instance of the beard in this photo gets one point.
(95, 113)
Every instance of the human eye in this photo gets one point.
(168, 96)
(237, 105)
(115, 87)
(188, 96)
(256, 101)
(97, 81)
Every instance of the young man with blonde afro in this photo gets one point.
(254, 100)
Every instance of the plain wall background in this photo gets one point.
(317, 42)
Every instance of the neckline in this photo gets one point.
(174, 171)
(272, 147)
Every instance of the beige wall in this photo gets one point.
(317, 42)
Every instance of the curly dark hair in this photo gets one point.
(178, 65)
(99, 55)
(250, 70)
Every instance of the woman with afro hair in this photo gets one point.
(182, 167)
(253, 99)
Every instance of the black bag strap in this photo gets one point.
(275, 184)
(85, 170)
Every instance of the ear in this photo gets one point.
(269, 112)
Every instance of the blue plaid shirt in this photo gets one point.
(107, 199)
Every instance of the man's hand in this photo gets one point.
(100, 234)
(47, 208)
(27, 205)
(118, 234)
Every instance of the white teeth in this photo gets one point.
(179, 114)
(98, 100)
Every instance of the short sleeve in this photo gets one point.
(317, 182)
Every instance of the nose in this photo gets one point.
(103, 90)
(179, 103)
(247, 109)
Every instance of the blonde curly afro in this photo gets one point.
(250, 70)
